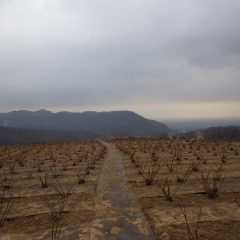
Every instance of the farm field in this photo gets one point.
(119, 120)
(48, 190)
(187, 189)
(129, 188)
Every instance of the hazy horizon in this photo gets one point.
(161, 59)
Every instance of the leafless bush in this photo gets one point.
(80, 176)
(166, 189)
(56, 171)
(141, 167)
(43, 181)
(87, 169)
(64, 167)
(196, 164)
(182, 176)
(150, 173)
(29, 171)
(6, 203)
(211, 184)
(64, 190)
(39, 167)
(237, 201)
(170, 164)
(178, 154)
(140, 164)
(218, 171)
(132, 157)
(137, 162)
(56, 209)
(154, 157)
(12, 166)
(92, 164)
(7, 183)
(223, 157)
(192, 234)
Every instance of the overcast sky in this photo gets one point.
(160, 58)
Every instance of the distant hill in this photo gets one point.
(114, 123)
(228, 133)
(23, 135)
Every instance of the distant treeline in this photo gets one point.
(229, 133)
(23, 135)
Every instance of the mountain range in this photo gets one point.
(104, 124)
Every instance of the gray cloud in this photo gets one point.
(73, 53)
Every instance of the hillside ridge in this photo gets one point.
(114, 123)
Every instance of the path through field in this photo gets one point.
(119, 215)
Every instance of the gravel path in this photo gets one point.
(119, 215)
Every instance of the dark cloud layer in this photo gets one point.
(73, 54)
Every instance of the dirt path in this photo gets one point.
(118, 213)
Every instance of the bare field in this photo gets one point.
(187, 189)
(48, 190)
(130, 188)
